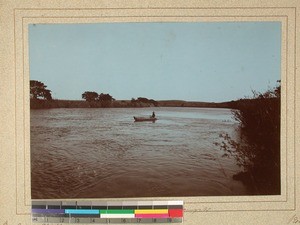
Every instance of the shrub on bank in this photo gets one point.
(258, 150)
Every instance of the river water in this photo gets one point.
(103, 153)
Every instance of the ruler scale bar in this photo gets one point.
(107, 212)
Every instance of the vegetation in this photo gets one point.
(105, 97)
(145, 101)
(38, 90)
(105, 100)
(258, 150)
(90, 96)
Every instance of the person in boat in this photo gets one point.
(153, 115)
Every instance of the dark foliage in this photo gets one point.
(38, 90)
(105, 99)
(90, 96)
(258, 150)
(146, 100)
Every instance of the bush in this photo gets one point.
(258, 150)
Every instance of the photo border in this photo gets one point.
(22, 109)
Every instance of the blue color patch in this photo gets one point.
(82, 211)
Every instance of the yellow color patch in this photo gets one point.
(151, 211)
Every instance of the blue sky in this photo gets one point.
(203, 61)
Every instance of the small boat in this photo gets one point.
(143, 119)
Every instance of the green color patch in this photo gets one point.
(117, 211)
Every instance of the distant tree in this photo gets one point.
(39, 90)
(142, 99)
(90, 96)
(105, 99)
(147, 101)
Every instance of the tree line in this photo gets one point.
(91, 96)
(39, 91)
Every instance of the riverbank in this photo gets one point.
(49, 104)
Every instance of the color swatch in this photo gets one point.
(107, 212)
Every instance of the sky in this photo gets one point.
(192, 61)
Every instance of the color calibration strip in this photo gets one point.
(107, 212)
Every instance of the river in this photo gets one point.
(103, 153)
